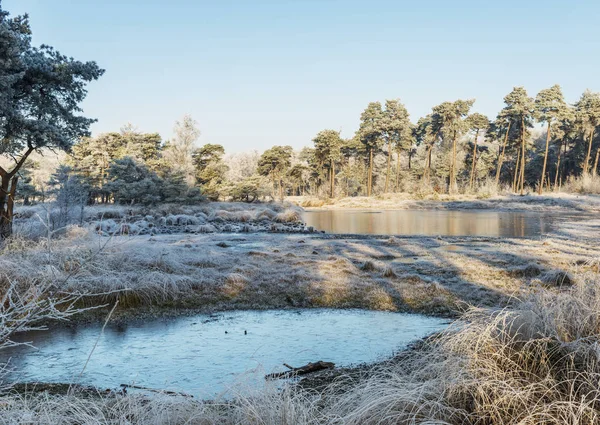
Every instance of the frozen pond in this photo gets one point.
(209, 355)
(520, 224)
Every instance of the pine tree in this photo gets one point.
(426, 134)
(396, 133)
(210, 169)
(587, 111)
(327, 153)
(551, 108)
(477, 122)
(450, 117)
(275, 163)
(41, 91)
(519, 112)
(370, 135)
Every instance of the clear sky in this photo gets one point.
(255, 73)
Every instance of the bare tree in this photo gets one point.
(178, 152)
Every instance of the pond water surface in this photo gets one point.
(209, 355)
(520, 224)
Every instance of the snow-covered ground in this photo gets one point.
(218, 271)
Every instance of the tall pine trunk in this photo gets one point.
(397, 171)
(370, 178)
(426, 172)
(453, 167)
(501, 158)
(274, 187)
(558, 165)
(542, 178)
(595, 169)
(332, 180)
(522, 179)
(280, 188)
(472, 178)
(517, 168)
(586, 164)
(389, 168)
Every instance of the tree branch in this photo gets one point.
(20, 163)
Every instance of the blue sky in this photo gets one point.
(257, 73)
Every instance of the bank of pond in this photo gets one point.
(211, 355)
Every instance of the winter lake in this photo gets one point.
(519, 224)
(212, 355)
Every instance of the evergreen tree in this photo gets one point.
(173, 188)
(71, 194)
(501, 128)
(41, 91)
(450, 117)
(519, 111)
(426, 134)
(396, 131)
(370, 135)
(248, 190)
(328, 144)
(298, 177)
(210, 169)
(275, 163)
(27, 190)
(477, 122)
(551, 108)
(587, 111)
(133, 183)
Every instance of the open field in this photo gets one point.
(537, 356)
(260, 270)
(536, 363)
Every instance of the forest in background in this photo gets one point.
(451, 150)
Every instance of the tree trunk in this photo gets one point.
(501, 158)
(370, 179)
(586, 164)
(281, 189)
(522, 155)
(389, 168)
(558, 165)
(472, 179)
(397, 171)
(8, 188)
(453, 167)
(520, 178)
(517, 167)
(332, 180)
(426, 173)
(541, 187)
(595, 169)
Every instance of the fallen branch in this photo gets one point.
(303, 370)
(156, 391)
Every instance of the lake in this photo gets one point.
(519, 224)
(212, 355)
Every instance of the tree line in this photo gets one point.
(450, 150)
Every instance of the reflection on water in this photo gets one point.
(433, 222)
(204, 355)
